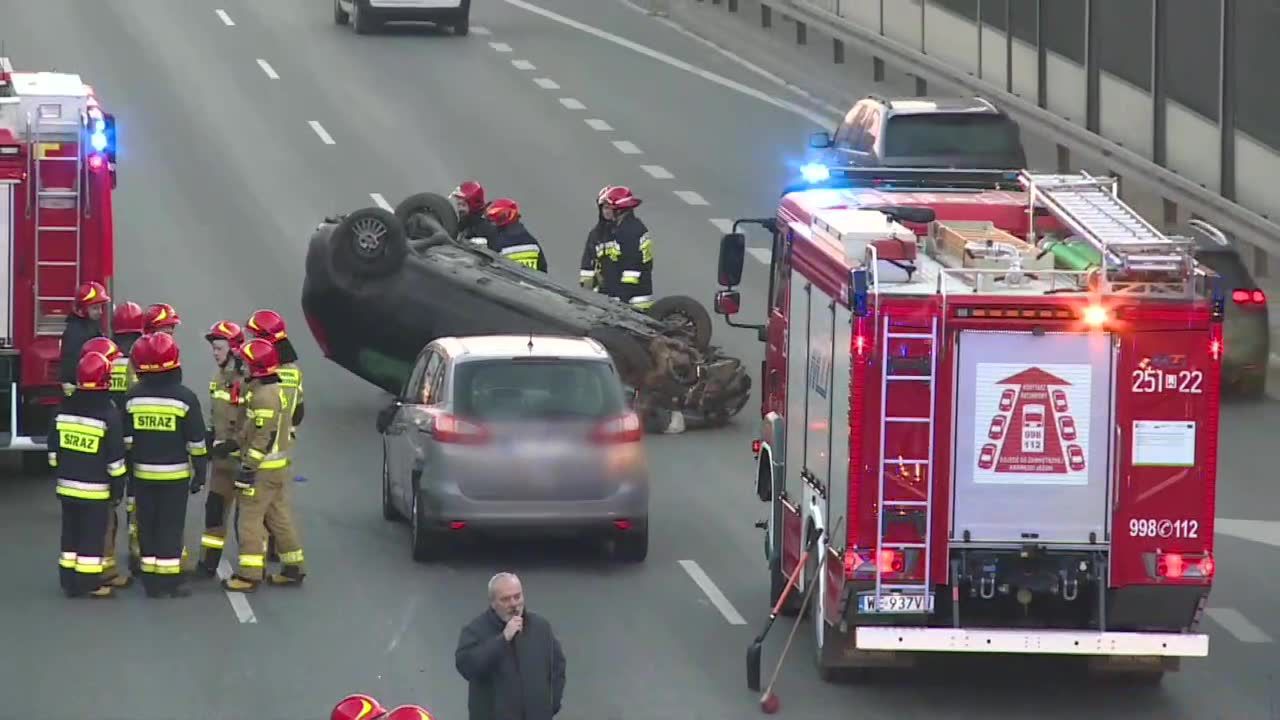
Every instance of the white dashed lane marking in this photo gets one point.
(381, 202)
(724, 225)
(712, 592)
(480, 30)
(626, 147)
(547, 83)
(572, 104)
(500, 47)
(598, 125)
(266, 68)
(657, 172)
(764, 255)
(691, 197)
(522, 65)
(325, 137)
(1234, 622)
(226, 19)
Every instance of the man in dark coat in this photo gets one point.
(511, 659)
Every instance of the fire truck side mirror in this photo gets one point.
(733, 250)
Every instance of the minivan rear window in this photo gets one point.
(955, 134)
(550, 389)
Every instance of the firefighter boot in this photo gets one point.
(235, 583)
(289, 575)
(102, 592)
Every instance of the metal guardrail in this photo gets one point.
(1246, 225)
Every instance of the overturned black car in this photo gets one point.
(379, 286)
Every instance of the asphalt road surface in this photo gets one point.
(241, 125)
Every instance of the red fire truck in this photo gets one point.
(1021, 459)
(57, 173)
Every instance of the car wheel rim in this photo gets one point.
(368, 234)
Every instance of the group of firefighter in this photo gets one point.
(617, 260)
(129, 429)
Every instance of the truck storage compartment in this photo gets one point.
(1032, 437)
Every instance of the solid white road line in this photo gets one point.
(724, 225)
(500, 47)
(657, 172)
(1266, 532)
(691, 197)
(381, 202)
(239, 602)
(712, 592)
(598, 124)
(480, 30)
(226, 19)
(325, 137)
(266, 68)
(572, 104)
(823, 122)
(764, 255)
(1237, 624)
(522, 65)
(626, 147)
(547, 83)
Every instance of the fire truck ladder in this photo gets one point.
(1091, 207)
(46, 130)
(926, 464)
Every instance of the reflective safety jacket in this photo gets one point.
(267, 437)
(123, 377)
(624, 256)
(517, 244)
(165, 430)
(226, 403)
(476, 228)
(291, 382)
(593, 254)
(86, 448)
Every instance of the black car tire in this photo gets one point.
(425, 545)
(369, 243)
(340, 16)
(462, 26)
(684, 310)
(633, 547)
(363, 20)
(436, 206)
(389, 511)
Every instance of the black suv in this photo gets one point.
(910, 132)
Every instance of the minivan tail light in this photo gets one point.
(452, 429)
(624, 428)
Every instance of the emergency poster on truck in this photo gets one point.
(1032, 424)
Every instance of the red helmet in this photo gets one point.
(502, 212)
(267, 324)
(261, 357)
(128, 319)
(226, 330)
(161, 315)
(87, 295)
(93, 372)
(471, 193)
(101, 345)
(604, 192)
(156, 352)
(619, 197)
(358, 707)
(410, 712)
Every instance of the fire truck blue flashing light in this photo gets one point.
(814, 172)
(98, 141)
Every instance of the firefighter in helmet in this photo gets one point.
(409, 712)
(110, 576)
(166, 437)
(468, 201)
(266, 488)
(270, 326)
(358, 706)
(86, 451)
(597, 242)
(625, 257)
(161, 318)
(226, 415)
(127, 323)
(90, 301)
(512, 240)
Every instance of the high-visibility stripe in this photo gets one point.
(83, 490)
(212, 541)
(53, 459)
(168, 566)
(252, 561)
(157, 405)
(172, 471)
(93, 426)
(148, 564)
(116, 468)
(586, 273)
(197, 448)
(89, 565)
(293, 557)
(274, 461)
(67, 560)
(290, 377)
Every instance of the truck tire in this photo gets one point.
(368, 244)
(340, 16)
(687, 314)
(432, 204)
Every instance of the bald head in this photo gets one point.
(506, 596)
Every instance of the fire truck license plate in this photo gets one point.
(896, 603)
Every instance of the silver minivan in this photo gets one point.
(503, 434)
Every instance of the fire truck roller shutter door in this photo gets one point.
(791, 533)
(1036, 485)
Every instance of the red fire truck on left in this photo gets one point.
(57, 174)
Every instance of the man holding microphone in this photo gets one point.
(510, 658)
